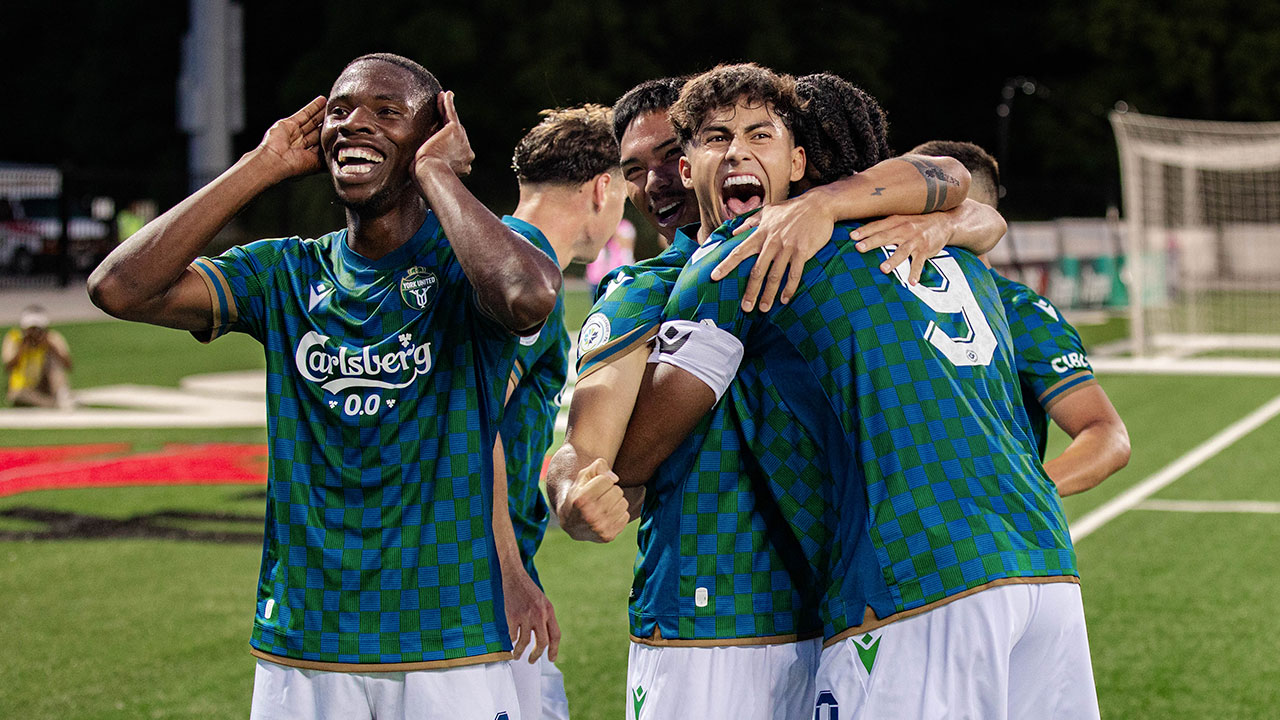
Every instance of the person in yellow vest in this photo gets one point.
(37, 362)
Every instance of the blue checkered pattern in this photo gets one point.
(529, 423)
(384, 384)
(1052, 362)
(716, 556)
(935, 488)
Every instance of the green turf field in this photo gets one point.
(1181, 605)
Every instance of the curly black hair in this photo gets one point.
(646, 97)
(725, 86)
(842, 128)
(983, 168)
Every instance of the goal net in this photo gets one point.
(1202, 227)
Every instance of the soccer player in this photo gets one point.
(651, 156)
(388, 346)
(1053, 366)
(752, 634)
(571, 200)
(948, 579)
(629, 309)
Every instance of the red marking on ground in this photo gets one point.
(208, 464)
(12, 457)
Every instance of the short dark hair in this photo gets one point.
(842, 128)
(569, 147)
(648, 96)
(983, 168)
(724, 86)
(425, 79)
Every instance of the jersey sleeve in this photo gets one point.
(626, 315)
(704, 330)
(1050, 356)
(696, 298)
(239, 284)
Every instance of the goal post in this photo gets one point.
(1202, 226)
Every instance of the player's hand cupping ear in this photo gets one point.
(449, 144)
(292, 145)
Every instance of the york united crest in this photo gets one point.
(418, 288)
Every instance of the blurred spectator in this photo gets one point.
(37, 361)
(618, 251)
(131, 219)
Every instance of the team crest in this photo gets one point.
(418, 287)
(595, 332)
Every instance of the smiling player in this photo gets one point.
(388, 346)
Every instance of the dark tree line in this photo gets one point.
(91, 83)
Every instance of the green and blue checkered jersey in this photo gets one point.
(712, 562)
(910, 392)
(385, 382)
(716, 554)
(1052, 362)
(529, 423)
(628, 310)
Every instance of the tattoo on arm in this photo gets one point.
(879, 191)
(935, 183)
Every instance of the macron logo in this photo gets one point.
(319, 292)
(1046, 308)
(702, 251)
(617, 282)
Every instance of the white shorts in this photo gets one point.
(540, 688)
(742, 682)
(1015, 651)
(470, 692)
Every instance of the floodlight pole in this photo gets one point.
(211, 87)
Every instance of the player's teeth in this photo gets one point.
(347, 154)
(740, 180)
(668, 208)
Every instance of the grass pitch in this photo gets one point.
(1181, 606)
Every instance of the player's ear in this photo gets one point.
(798, 161)
(600, 191)
(686, 172)
(432, 114)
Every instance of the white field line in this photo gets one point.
(1186, 366)
(1130, 498)
(1211, 506)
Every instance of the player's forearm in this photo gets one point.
(504, 533)
(561, 472)
(671, 403)
(975, 227)
(1096, 452)
(598, 417)
(907, 185)
(132, 281)
(514, 280)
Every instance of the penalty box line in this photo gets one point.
(1130, 498)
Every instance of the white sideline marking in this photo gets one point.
(1211, 506)
(1186, 366)
(1130, 498)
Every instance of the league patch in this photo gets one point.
(595, 332)
(418, 287)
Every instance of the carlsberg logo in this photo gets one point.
(337, 371)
